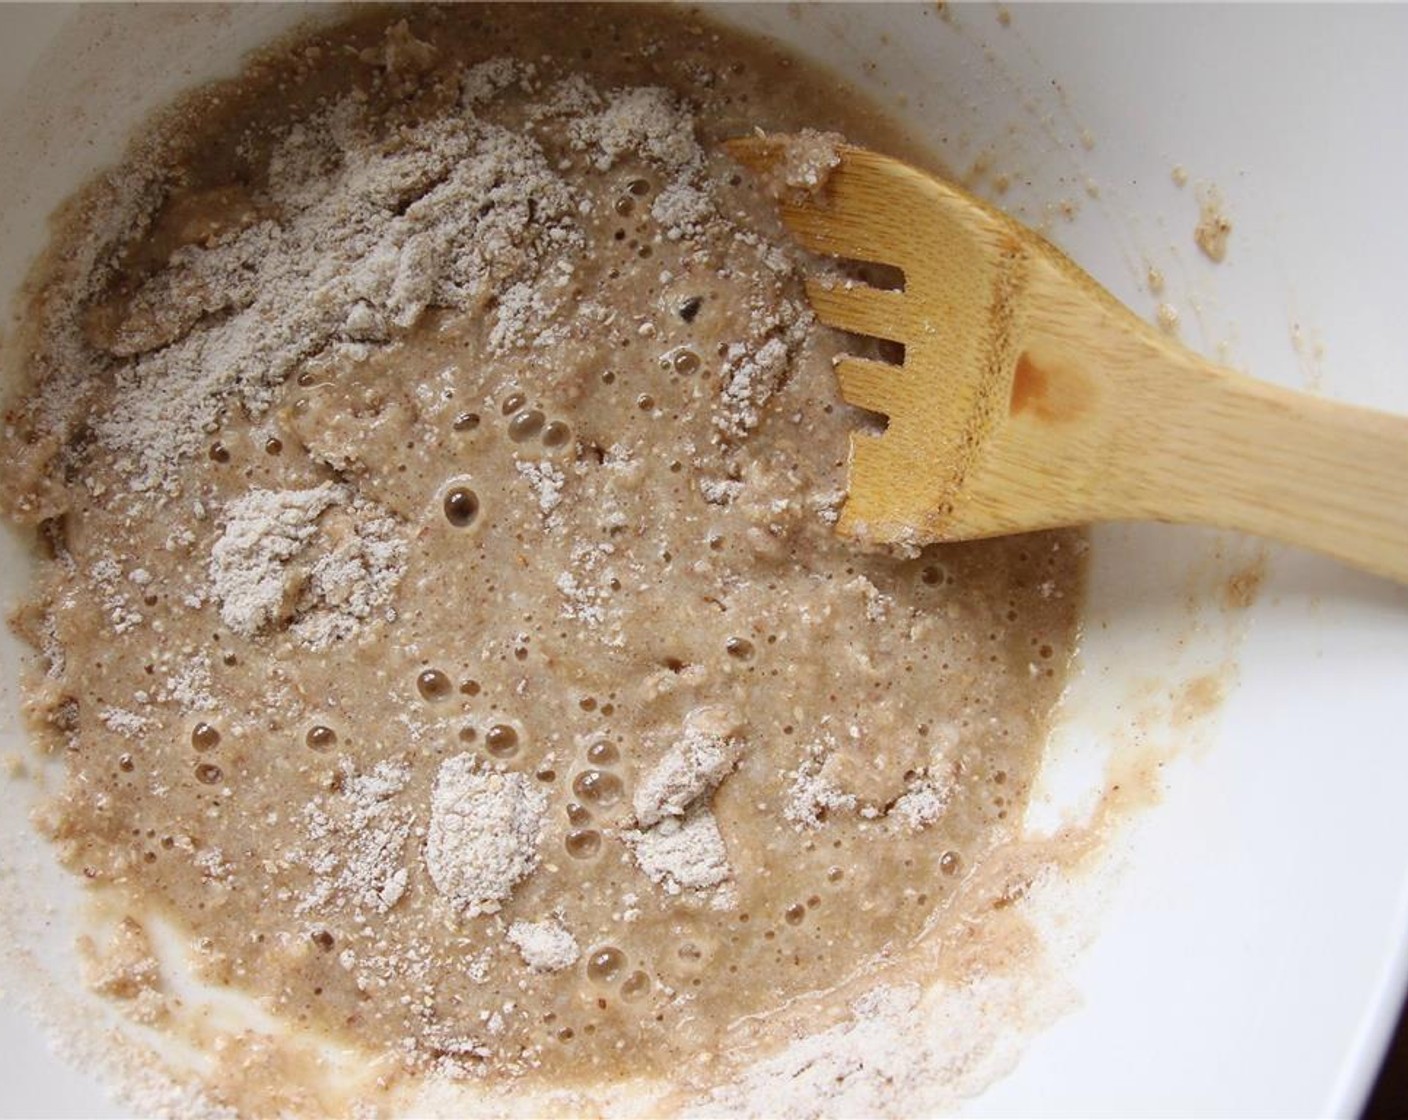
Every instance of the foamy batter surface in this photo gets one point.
(442, 621)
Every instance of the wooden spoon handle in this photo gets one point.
(1242, 454)
(1110, 421)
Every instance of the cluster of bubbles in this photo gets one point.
(501, 740)
(596, 786)
(525, 422)
(206, 737)
(681, 360)
(273, 445)
(625, 205)
(609, 966)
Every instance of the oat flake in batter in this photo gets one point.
(442, 621)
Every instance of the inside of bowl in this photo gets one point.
(1246, 934)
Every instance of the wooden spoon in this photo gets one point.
(1029, 397)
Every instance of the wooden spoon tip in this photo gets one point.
(755, 152)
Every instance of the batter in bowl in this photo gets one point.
(442, 621)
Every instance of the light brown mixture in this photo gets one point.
(442, 618)
(1213, 228)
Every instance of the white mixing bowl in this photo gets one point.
(1250, 930)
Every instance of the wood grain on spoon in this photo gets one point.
(1030, 398)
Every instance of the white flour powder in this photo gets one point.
(484, 832)
(544, 946)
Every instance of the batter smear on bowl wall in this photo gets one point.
(435, 464)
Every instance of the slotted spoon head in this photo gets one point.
(955, 317)
(984, 410)
(1030, 398)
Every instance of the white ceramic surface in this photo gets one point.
(1251, 956)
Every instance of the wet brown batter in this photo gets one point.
(443, 621)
